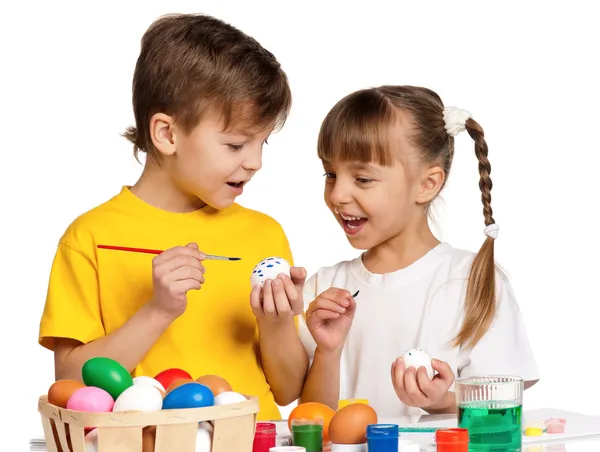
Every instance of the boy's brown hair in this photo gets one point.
(191, 63)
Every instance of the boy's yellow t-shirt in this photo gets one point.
(92, 292)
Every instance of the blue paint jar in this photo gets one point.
(382, 437)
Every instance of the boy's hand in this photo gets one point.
(280, 298)
(414, 388)
(329, 318)
(174, 272)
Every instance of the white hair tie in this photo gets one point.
(455, 119)
(491, 231)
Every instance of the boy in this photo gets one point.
(205, 97)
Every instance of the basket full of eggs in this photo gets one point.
(112, 412)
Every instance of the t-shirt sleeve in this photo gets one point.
(72, 308)
(309, 293)
(505, 348)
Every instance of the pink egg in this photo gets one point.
(91, 400)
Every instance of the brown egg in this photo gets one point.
(148, 438)
(177, 383)
(60, 392)
(215, 383)
(349, 425)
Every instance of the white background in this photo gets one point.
(527, 72)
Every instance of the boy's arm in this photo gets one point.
(284, 359)
(323, 381)
(72, 315)
(128, 345)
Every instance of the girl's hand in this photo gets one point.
(329, 318)
(414, 388)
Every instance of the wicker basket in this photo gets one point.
(174, 430)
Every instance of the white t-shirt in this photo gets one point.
(420, 306)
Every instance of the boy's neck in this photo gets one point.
(400, 251)
(156, 187)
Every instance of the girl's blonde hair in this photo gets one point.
(359, 128)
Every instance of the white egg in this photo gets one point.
(203, 440)
(228, 397)
(139, 398)
(415, 357)
(148, 381)
(269, 268)
(206, 425)
(91, 441)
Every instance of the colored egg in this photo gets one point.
(149, 381)
(91, 400)
(228, 397)
(139, 398)
(179, 382)
(190, 395)
(107, 374)
(349, 425)
(61, 391)
(168, 376)
(215, 383)
(313, 410)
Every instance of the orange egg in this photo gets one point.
(313, 410)
(215, 383)
(60, 392)
(349, 425)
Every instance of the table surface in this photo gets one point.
(587, 444)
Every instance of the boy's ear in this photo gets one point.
(432, 180)
(162, 133)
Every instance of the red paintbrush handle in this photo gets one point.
(124, 248)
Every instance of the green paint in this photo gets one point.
(309, 436)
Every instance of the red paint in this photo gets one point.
(452, 440)
(166, 377)
(264, 437)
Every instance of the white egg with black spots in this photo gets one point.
(415, 357)
(269, 268)
(227, 397)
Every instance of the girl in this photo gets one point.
(387, 153)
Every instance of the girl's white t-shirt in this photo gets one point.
(420, 306)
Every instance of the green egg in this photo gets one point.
(107, 374)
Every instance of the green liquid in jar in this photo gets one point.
(493, 426)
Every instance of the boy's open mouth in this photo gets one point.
(235, 184)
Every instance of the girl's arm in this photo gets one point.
(323, 381)
(328, 319)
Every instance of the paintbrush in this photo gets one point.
(147, 251)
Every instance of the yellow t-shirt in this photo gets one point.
(92, 292)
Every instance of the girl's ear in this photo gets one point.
(431, 182)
